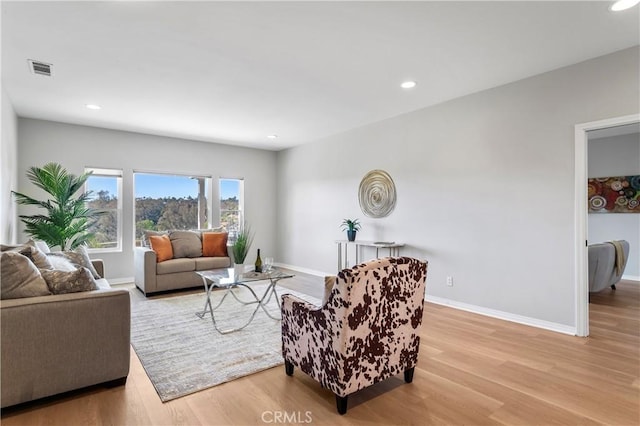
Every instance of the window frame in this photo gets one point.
(118, 175)
(241, 207)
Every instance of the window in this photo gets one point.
(106, 195)
(231, 205)
(164, 202)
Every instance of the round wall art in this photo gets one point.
(377, 194)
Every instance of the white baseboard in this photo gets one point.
(117, 281)
(507, 316)
(631, 278)
(304, 270)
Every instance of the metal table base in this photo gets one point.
(210, 283)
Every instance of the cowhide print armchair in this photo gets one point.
(367, 331)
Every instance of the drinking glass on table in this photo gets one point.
(267, 265)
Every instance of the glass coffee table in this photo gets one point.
(225, 279)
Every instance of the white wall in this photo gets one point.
(484, 182)
(76, 147)
(8, 171)
(616, 156)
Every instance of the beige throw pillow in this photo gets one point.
(186, 244)
(19, 277)
(30, 250)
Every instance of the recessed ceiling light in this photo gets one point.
(92, 106)
(408, 84)
(623, 5)
(272, 137)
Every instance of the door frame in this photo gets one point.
(580, 211)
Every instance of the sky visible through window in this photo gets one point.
(161, 186)
(101, 183)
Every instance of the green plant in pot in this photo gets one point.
(68, 219)
(241, 246)
(351, 226)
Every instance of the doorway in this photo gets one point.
(580, 212)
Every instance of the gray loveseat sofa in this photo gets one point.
(178, 272)
(57, 343)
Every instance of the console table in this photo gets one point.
(343, 250)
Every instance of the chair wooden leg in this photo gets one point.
(408, 375)
(288, 368)
(341, 404)
(613, 286)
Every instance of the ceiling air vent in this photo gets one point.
(40, 68)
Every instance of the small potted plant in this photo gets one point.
(351, 226)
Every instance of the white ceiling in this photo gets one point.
(235, 72)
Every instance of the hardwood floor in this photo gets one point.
(472, 370)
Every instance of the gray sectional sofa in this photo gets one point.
(57, 343)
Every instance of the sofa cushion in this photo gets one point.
(62, 282)
(185, 244)
(78, 257)
(214, 244)
(20, 277)
(176, 265)
(204, 263)
(161, 244)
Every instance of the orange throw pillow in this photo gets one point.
(161, 244)
(214, 244)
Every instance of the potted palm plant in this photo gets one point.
(68, 219)
(241, 247)
(351, 226)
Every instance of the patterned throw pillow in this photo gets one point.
(62, 282)
(20, 277)
(214, 244)
(78, 257)
(161, 244)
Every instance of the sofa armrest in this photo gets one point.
(53, 344)
(144, 262)
(98, 264)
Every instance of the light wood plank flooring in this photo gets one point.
(472, 370)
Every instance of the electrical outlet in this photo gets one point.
(450, 281)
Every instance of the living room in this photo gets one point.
(485, 178)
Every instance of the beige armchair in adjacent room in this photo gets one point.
(606, 264)
(366, 331)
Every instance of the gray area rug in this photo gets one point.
(183, 354)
